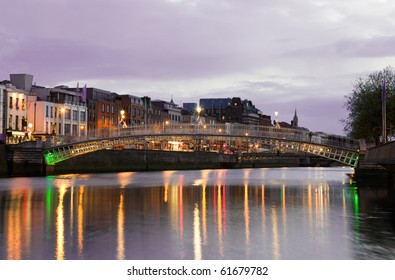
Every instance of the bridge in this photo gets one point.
(228, 138)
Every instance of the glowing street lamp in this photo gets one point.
(122, 122)
(82, 127)
(198, 109)
(165, 123)
(276, 114)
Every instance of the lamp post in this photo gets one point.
(198, 110)
(276, 114)
(61, 121)
(122, 118)
(30, 125)
(384, 113)
(34, 117)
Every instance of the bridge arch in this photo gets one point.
(342, 150)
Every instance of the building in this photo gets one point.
(104, 110)
(232, 110)
(215, 107)
(233, 113)
(14, 106)
(190, 106)
(250, 114)
(3, 111)
(265, 120)
(57, 111)
(295, 121)
(172, 113)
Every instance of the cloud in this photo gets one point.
(279, 54)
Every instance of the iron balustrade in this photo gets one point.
(337, 148)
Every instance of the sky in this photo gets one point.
(283, 55)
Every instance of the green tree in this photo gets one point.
(364, 106)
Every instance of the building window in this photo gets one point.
(23, 104)
(46, 111)
(102, 108)
(24, 123)
(113, 120)
(112, 109)
(83, 116)
(67, 115)
(75, 131)
(17, 103)
(51, 112)
(108, 120)
(102, 120)
(60, 128)
(67, 129)
(10, 122)
(75, 115)
(10, 105)
(108, 108)
(16, 122)
(56, 112)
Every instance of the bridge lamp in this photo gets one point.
(276, 114)
(198, 109)
(246, 134)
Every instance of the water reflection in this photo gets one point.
(80, 220)
(208, 214)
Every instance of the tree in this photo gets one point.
(364, 105)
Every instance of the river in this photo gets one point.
(273, 214)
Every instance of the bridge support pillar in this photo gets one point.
(50, 170)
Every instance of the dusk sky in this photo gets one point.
(281, 54)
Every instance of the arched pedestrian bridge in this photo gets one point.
(235, 139)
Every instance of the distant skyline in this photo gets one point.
(282, 55)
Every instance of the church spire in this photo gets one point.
(295, 120)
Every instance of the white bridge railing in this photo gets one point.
(237, 130)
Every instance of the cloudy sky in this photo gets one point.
(281, 54)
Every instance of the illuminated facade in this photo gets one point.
(13, 114)
(169, 109)
(57, 111)
(103, 110)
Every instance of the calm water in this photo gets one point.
(284, 213)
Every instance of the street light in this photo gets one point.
(82, 132)
(30, 125)
(198, 110)
(165, 123)
(122, 122)
(61, 121)
(276, 114)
